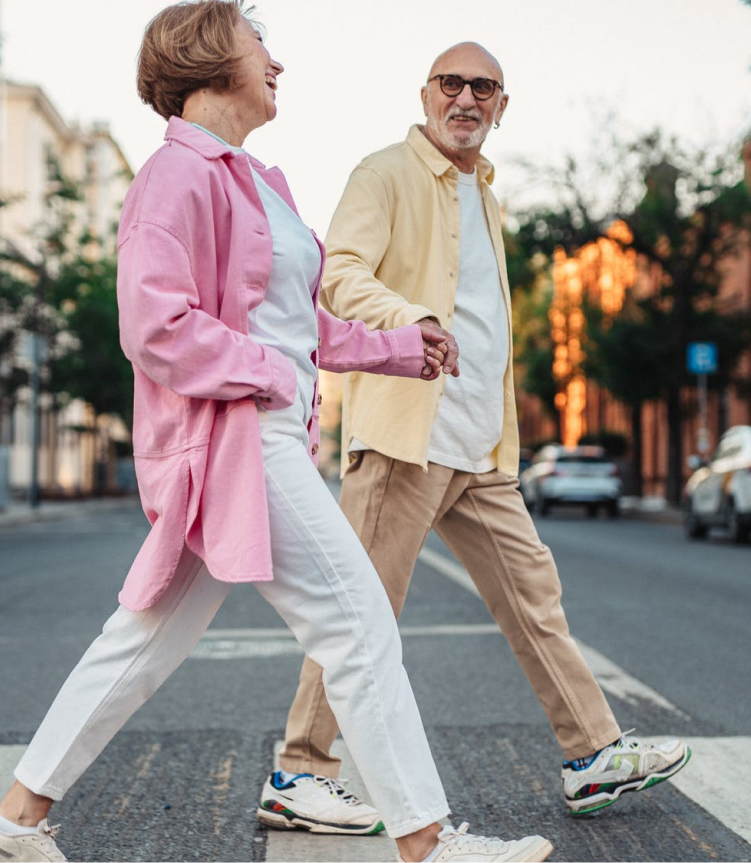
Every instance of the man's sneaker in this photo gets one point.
(630, 764)
(460, 845)
(38, 844)
(316, 803)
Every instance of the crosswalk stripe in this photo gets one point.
(611, 677)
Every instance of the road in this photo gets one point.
(664, 623)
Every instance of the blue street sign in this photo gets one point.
(701, 358)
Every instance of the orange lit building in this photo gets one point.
(602, 272)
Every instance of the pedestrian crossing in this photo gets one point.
(715, 778)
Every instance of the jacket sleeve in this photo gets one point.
(176, 343)
(351, 346)
(357, 240)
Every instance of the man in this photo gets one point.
(417, 237)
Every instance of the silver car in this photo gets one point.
(719, 494)
(562, 475)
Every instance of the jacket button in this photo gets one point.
(319, 399)
(314, 448)
(352, 458)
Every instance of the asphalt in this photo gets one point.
(18, 513)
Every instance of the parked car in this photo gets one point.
(572, 475)
(719, 494)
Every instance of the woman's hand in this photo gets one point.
(441, 351)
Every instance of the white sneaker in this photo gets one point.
(630, 764)
(316, 803)
(461, 846)
(38, 844)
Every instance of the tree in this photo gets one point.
(96, 371)
(533, 347)
(61, 289)
(688, 215)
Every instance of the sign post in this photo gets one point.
(701, 360)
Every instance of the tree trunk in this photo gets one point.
(675, 447)
(636, 449)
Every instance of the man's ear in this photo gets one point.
(501, 108)
(424, 97)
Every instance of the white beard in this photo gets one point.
(459, 140)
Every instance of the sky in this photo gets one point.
(354, 69)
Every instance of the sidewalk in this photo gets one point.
(53, 510)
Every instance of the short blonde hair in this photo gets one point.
(186, 47)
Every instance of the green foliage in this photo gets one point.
(689, 215)
(533, 347)
(96, 370)
(63, 287)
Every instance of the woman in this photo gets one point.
(217, 284)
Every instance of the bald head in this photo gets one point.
(467, 52)
(458, 119)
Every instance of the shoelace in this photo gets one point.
(627, 741)
(336, 789)
(457, 837)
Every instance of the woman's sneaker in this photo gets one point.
(630, 764)
(460, 845)
(316, 803)
(36, 845)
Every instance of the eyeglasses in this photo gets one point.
(452, 85)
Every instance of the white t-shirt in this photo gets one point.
(470, 414)
(287, 307)
(286, 319)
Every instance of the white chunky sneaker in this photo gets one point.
(458, 845)
(630, 764)
(316, 803)
(38, 844)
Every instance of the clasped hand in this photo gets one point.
(441, 351)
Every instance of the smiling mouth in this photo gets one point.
(271, 82)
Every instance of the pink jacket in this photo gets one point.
(194, 255)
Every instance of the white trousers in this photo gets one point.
(328, 593)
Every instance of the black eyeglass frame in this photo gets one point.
(472, 83)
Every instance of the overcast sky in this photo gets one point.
(354, 70)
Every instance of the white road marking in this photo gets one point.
(720, 766)
(268, 643)
(299, 845)
(715, 777)
(611, 677)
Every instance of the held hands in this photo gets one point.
(441, 351)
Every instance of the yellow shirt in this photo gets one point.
(393, 258)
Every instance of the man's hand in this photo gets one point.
(441, 351)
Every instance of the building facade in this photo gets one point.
(73, 454)
(602, 273)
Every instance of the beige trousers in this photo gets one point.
(392, 506)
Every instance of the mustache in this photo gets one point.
(465, 115)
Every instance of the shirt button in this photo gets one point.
(319, 399)
(456, 197)
(455, 236)
(314, 448)
(452, 274)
